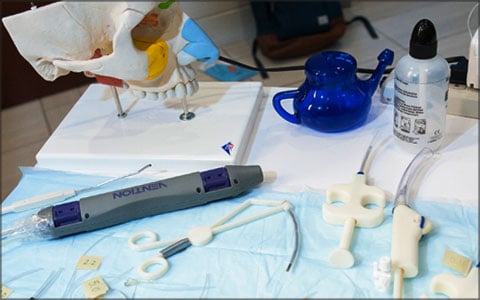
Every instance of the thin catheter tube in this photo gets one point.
(367, 154)
(114, 179)
(410, 175)
(297, 240)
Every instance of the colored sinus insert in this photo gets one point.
(157, 52)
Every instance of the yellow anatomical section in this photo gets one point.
(157, 53)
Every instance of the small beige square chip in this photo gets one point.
(457, 262)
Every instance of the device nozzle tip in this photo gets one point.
(269, 176)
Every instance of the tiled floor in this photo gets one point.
(25, 128)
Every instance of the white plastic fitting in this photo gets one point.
(382, 274)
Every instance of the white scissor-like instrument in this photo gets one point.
(202, 235)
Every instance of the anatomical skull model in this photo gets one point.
(146, 47)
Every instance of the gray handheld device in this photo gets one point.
(112, 208)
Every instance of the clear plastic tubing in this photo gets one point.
(410, 176)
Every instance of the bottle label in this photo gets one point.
(420, 111)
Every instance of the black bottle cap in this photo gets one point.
(423, 41)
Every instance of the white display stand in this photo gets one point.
(92, 139)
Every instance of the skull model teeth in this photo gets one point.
(180, 91)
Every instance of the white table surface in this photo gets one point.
(305, 159)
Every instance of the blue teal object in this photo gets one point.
(200, 45)
(223, 72)
(332, 98)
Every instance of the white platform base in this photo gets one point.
(93, 140)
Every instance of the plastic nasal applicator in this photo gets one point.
(355, 197)
(407, 227)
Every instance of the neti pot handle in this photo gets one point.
(278, 98)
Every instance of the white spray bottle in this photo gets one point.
(421, 92)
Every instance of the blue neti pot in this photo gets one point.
(332, 98)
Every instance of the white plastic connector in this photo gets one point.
(200, 235)
(472, 74)
(382, 274)
(388, 89)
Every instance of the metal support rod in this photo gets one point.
(121, 112)
(186, 115)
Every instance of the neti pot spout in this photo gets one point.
(385, 58)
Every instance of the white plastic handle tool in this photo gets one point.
(157, 266)
(147, 240)
(38, 201)
(157, 262)
(355, 196)
(276, 207)
(341, 257)
(407, 229)
(200, 235)
(456, 287)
